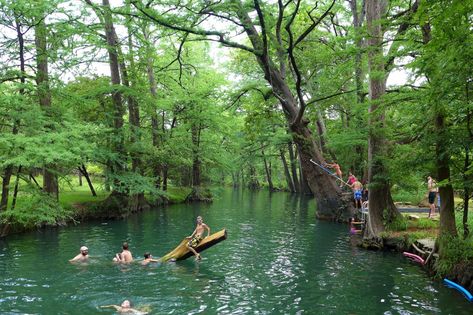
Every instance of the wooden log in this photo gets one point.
(181, 252)
(413, 217)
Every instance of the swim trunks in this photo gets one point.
(357, 194)
(195, 241)
(432, 195)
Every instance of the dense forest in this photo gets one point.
(136, 97)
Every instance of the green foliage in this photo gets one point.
(399, 224)
(424, 223)
(453, 252)
(36, 210)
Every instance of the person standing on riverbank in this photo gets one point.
(432, 187)
(82, 256)
(351, 178)
(197, 236)
(357, 188)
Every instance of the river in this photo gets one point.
(278, 259)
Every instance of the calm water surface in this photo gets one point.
(277, 260)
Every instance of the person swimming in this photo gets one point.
(82, 256)
(148, 259)
(125, 307)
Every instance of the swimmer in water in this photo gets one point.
(82, 256)
(125, 308)
(148, 259)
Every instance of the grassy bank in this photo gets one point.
(34, 208)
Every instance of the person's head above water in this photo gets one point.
(84, 250)
(125, 246)
(147, 255)
(199, 219)
(126, 304)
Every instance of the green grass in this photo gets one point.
(178, 194)
(70, 198)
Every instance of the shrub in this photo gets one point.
(36, 210)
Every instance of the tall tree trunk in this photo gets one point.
(358, 18)
(50, 184)
(118, 110)
(447, 208)
(6, 187)
(165, 177)
(196, 163)
(15, 190)
(380, 196)
(305, 187)
(267, 170)
(9, 169)
(292, 160)
(466, 194)
(153, 88)
(83, 170)
(137, 200)
(253, 183)
(290, 183)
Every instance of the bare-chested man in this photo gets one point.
(82, 256)
(197, 236)
(357, 188)
(432, 186)
(126, 256)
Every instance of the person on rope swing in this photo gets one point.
(197, 236)
(338, 171)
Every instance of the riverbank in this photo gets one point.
(74, 207)
(417, 234)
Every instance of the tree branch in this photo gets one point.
(329, 96)
(221, 36)
(313, 25)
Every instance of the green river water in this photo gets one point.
(278, 259)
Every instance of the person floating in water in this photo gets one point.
(82, 256)
(148, 259)
(125, 307)
(197, 236)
